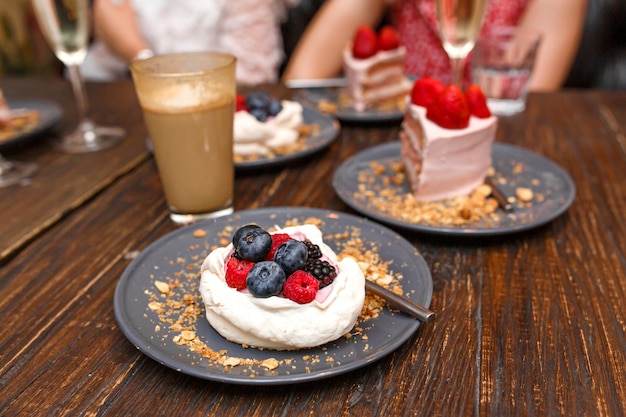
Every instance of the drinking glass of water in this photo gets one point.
(502, 65)
(65, 24)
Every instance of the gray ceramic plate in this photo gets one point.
(171, 255)
(49, 114)
(312, 96)
(540, 174)
(327, 133)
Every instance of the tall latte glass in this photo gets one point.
(188, 106)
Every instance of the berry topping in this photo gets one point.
(274, 107)
(258, 100)
(449, 109)
(283, 258)
(388, 39)
(260, 105)
(314, 251)
(301, 287)
(291, 256)
(324, 272)
(365, 43)
(236, 272)
(425, 90)
(265, 279)
(240, 103)
(252, 243)
(277, 240)
(477, 102)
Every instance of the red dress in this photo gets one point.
(416, 23)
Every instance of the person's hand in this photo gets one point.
(5, 112)
(116, 25)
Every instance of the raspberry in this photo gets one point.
(301, 287)
(277, 240)
(237, 272)
(324, 272)
(240, 103)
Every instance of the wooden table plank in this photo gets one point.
(528, 324)
(63, 181)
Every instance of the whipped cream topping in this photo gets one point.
(446, 163)
(252, 137)
(277, 322)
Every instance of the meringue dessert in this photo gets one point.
(261, 137)
(290, 293)
(443, 163)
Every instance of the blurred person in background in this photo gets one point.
(318, 54)
(134, 29)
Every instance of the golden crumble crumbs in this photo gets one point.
(380, 188)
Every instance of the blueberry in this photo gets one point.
(242, 231)
(258, 100)
(252, 243)
(265, 279)
(259, 114)
(291, 256)
(274, 107)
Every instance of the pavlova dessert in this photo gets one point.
(264, 124)
(446, 140)
(285, 290)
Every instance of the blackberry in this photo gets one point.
(314, 251)
(324, 272)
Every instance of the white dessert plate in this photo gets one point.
(180, 254)
(313, 96)
(326, 132)
(544, 177)
(49, 113)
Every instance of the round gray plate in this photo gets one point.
(168, 255)
(312, 96)
(49, 114)
(328, 132)
(554, 184)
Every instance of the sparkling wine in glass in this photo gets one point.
(459, 22)
(65, 24)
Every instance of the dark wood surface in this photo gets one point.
(527, 324)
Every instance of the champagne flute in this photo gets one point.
(65, 24)
(459, 22)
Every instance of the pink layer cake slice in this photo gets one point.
(445, 163)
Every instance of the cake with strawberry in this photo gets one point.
(446, 140)
(284, 290)
(374, 67)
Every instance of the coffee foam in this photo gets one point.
(183, 98)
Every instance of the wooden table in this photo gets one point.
(527, 324)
